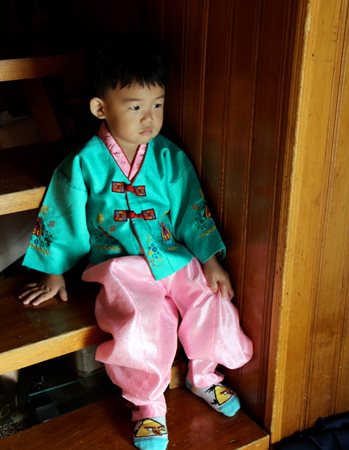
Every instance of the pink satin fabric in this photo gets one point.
(142, 316)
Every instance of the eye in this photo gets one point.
(135, 108)
(158, 105)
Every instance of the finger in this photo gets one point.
(63, 294)
(226, 288)
(31, 285)
(29, 291)
(35, 295)
(43, 298)
(224, 291)
(213, 285)
(230, 291)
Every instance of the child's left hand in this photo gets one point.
(217, 278)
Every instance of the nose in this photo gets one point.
(147, 116)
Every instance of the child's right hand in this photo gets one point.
(45, 289)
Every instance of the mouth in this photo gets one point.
(146, 132)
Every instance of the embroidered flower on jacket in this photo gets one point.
(100, 218)
(42, 238)
(203, 218)
(153, 253)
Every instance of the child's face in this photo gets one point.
(134, 114)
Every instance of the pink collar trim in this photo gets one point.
(129, 169)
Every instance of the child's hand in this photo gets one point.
(48, 287)
(217, 278)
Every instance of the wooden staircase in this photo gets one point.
(106, 425)
(30, 335)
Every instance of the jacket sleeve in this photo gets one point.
(191, 219)
(60, 237)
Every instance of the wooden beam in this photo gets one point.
(38, 67)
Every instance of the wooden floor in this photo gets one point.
(105, 425)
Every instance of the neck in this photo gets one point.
(130, 152)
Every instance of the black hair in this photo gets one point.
(121, 60)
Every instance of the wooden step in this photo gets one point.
(105, 425)
(25, 172)
(38, 67)
(55, 328)
(33, 334)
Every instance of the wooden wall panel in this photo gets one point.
(264, 171)
(96, 17)
(153, 16)
(174, 36)
(224, 103)
(339, 236)
(245, 38)
(240, 153)
(218, 61)
(237, 201)
(227, 104)
(196, 25)
(312, 363)
(329, 332)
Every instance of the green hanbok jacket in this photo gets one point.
(91, 208)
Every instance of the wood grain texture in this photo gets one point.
(275, 177)
(227, 102)
(225, 99)
(195, 60)
(338, 236)
(312, 363)
(237, 188)
(270, 104)
(24, 200)
(224, 102)
(33, 334)
(106, 425)
(24, 174)
(37, 67)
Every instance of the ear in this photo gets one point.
(97, 107)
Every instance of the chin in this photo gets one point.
(147, 139)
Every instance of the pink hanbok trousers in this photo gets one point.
(142, 316)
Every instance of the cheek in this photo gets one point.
(123, 123)
(160, 117)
